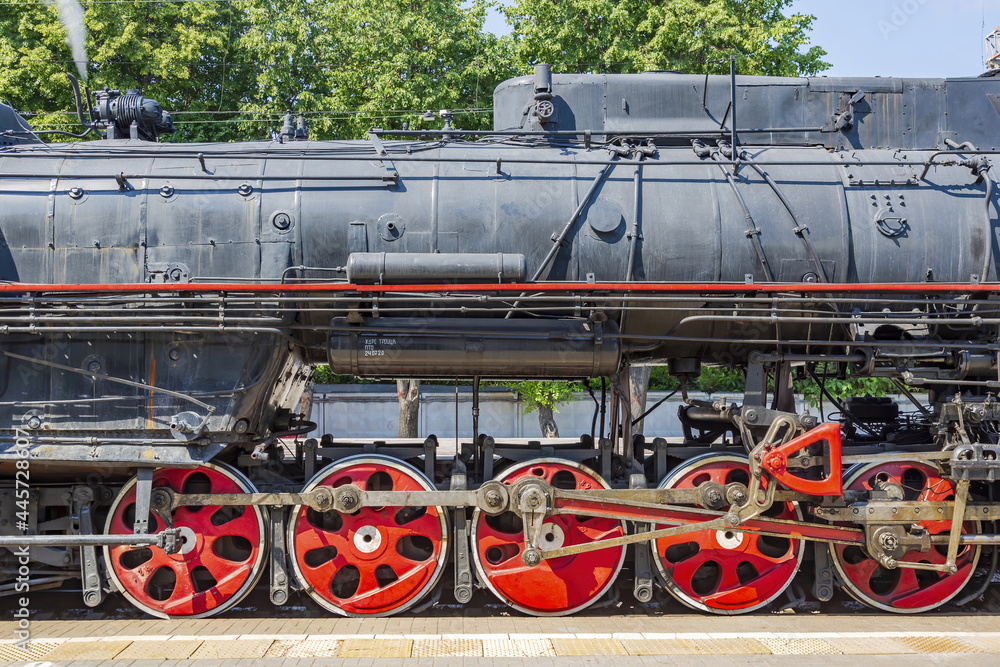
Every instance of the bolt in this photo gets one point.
(714, 497)
(347, 500)
(733, 519)
(279, 597)
(750, 416)
(174, 353)
(856, 510)
(94, 366)
(166, 191)
(895, 511)
(34, 422)
(531, 557)
(871, 510)
(493, 498)
(242, 426)
(281, 221)
(463, 594)
(245, 190)
(76, 193)
(280, 579)
(644, 594)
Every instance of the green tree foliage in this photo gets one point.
(541, 394)
(173, 52)
(372, 61)
(347, 65)
(683, 35)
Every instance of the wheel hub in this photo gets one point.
(552, 537)
(728, 539)
(367, 540)
(189, 540)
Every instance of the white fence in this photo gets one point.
(371, 411)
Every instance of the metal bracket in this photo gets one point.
(90, 570)
(844, 120)
(390, 168)
(279, 566)
(143, 489)
(464, 578)
(823, 582)
(642, 590)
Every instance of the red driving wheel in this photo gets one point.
(726, 571)
(222, 554)
(376, 561)
(904, 590)
(561, 585)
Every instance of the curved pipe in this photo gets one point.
(987, 260)
(752, 231)
(799, 230)
(79, 111)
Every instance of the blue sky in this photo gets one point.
(910, 38)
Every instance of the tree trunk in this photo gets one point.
(547, 422)
(408, 392)
(638, 377)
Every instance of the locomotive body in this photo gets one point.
(163, 306)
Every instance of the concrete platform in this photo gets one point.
(779, 639)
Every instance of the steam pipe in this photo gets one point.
(752, 230)
(79, 110)
(987, 260)
(799, 230)
(636, 212)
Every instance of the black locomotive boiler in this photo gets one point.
(162, 307)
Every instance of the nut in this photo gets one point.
(347, 499)
(531, 557)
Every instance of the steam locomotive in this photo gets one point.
(163, 306)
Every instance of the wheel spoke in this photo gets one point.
(746, 578)
(233, 579)
(380, 567)
(559, 585)
(905, 589)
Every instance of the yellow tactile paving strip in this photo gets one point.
(939, 645)
(572, 646)
(160, 649)
(433, 646)
(376, 648)
(221, 649)
(689, 646)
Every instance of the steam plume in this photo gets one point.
(71, 16)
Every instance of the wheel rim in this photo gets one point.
(222, 556)
(561, 585)
(377, 561)
(902, 590)
(726, 572)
